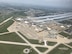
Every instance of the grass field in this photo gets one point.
(3, 27)
(3, 17)
(60, 51)
(70, 44)
(51, 43)
(66, 35)
(11, 37)
(42, 49)
(14, 49)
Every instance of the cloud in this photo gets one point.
(58, 3)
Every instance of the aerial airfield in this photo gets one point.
(38, 35)
(44, 30)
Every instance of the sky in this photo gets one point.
(52, 3)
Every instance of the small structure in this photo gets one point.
(38, 29)
(48, 28)
(19, 19)
(26, 51)
(45, 42)
(62, 26)
(26, 22)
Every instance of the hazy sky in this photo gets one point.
(54, 3)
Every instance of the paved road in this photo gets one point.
(29, 43)
(5, 33)
(14, 43)
(18, 43)
(50, 49)
(6, 20)
(68, 45)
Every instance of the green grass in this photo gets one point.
(11, 37)
(59, 51)
(51, 43)
(14, 49)
(70, 44)
(3, 27)
(32, 41)
(42, 49)
(35, 41)
(4, 17)
(66, 35)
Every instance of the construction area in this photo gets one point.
(34, 30)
